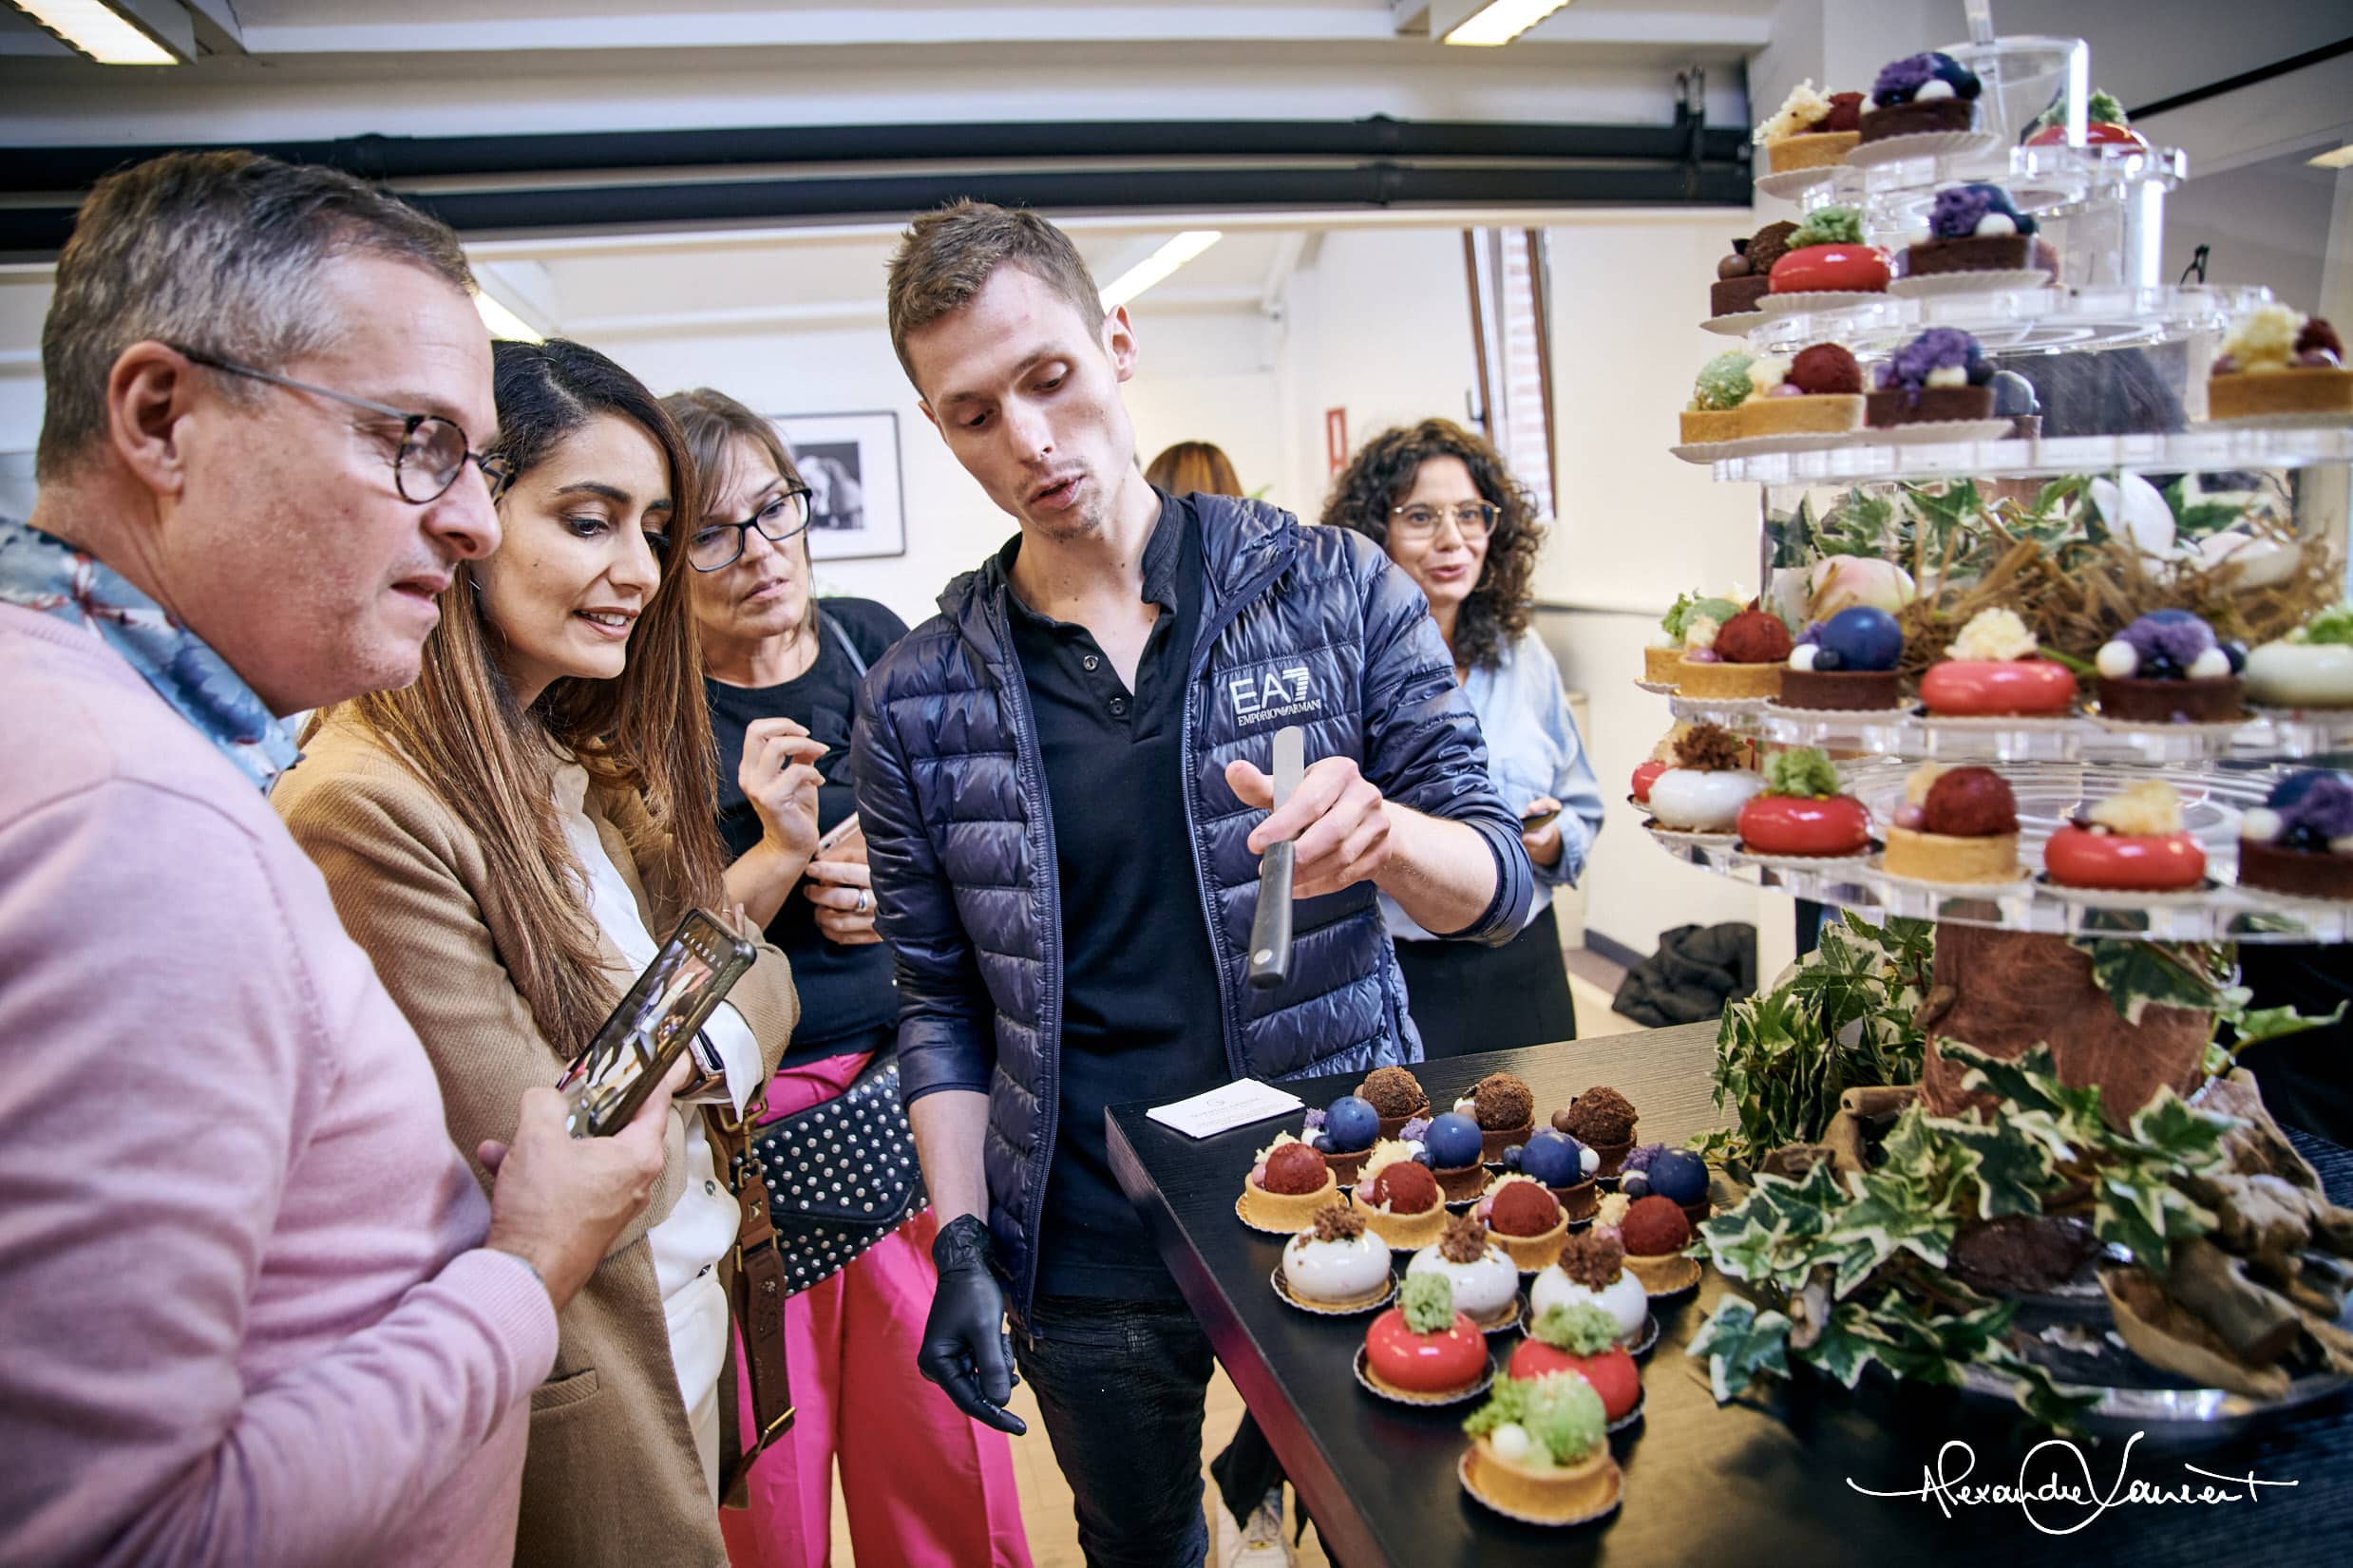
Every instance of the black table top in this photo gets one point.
(1765, 1479)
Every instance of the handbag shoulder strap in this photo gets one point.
(833, 629)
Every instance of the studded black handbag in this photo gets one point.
(841, 1175)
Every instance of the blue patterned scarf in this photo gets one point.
(47, 575)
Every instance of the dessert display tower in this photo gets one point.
(2117, 490)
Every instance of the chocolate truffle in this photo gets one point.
(1593, 1258)
(1465, 1241)
(1969, 803)
(1654, 1227)
(1522, 1208)
(1404, 1187)
(1598, 1116)
(1392, 1092)
(1753, 636)
(1502, 1102)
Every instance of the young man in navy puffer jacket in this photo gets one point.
(1062, 779)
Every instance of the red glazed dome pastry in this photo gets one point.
(1286, 1185)
(1582, 1339)
(1801, 812)
(2105, 126)
(1826, 254)
(1422, 1350)
(2132, 842)
(1993, 669)
(2279, 362)
(1654, 1233)
(1956, 824)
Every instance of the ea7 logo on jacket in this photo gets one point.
(1271, 692)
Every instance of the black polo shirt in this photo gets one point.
(1141, 1016)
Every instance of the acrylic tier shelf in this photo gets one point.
(2050, 320)
(2201, 448)
(1906, 734)
(2049, 794)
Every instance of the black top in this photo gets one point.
(846, 993)
(1140, 1004)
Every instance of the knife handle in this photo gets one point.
(1270, 927)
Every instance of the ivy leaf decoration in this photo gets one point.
(2131, 1213)
(2177, 1134)
(2019, 1080)
(1845, 1345)
(2137, 975)
(2012, 1169)
(1741, 1345)
(1890, 1216)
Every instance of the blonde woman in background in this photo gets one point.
(509, 838)
(1191, 467)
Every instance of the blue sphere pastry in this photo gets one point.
(1634, 1184)
(1679, 1176)
(2014, 395)
(1554, 1159)
(1351, 1123)
(1452, 1141)
(1864, 638)
(1421, 1157)
(1509, 1158)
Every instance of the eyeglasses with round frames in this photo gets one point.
(1473, 519)
(432, 450)
(717, 546)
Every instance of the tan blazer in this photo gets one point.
(611, 1476)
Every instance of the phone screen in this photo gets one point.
(656, 1020)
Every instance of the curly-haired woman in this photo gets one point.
(1440, 501)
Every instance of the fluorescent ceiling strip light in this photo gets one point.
(98, 31)
(504, 323)
(2341, 159)
(1156, 267)
(1500, 21)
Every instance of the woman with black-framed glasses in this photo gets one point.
(925, 1485)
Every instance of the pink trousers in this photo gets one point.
(925, 1487)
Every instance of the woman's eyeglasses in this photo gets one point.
(716, 546)
(432, 450)
(1473, 519)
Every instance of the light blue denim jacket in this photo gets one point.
(1532, 749)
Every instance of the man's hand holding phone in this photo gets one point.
(557, 1201)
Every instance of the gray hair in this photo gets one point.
(219, 251)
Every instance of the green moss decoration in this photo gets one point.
(1427, 1302)
(1828, 226)
(1581, 1330)
(1801, 771)
(1560, 1411)
(1723, 382)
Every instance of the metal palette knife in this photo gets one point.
(1270, 929)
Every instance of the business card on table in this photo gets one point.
(1234, 1104)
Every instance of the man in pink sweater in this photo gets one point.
(258, 1312)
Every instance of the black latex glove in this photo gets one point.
(966, 1347)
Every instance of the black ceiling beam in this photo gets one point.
(73, 169)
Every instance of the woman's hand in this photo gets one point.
(778, 776)
(1543, 843)
(843, 890)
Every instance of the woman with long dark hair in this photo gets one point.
(1439, 500)
(509, 838)
(924, 1485)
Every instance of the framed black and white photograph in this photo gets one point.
(850, 464)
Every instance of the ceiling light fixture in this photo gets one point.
(1499, 22)
(98, 31)
(1156, 267)
(504, 322)
(2341, 159)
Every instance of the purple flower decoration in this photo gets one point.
(1315, 1120)
(1810, 635)
(2168, 636)
(1958, 209)
(1899, 78)
(1640, 1159)
(2317, 801)
(1413, 1129)
(1937, 349)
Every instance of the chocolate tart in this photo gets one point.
(2141, 699)
(1731, 296)
(1492, 1141)
(1839, 691)
(2310, 874)
(1460, 1181)
(1971, 253)
(1935, 405)
(1580, 1202)
(1922, 114)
